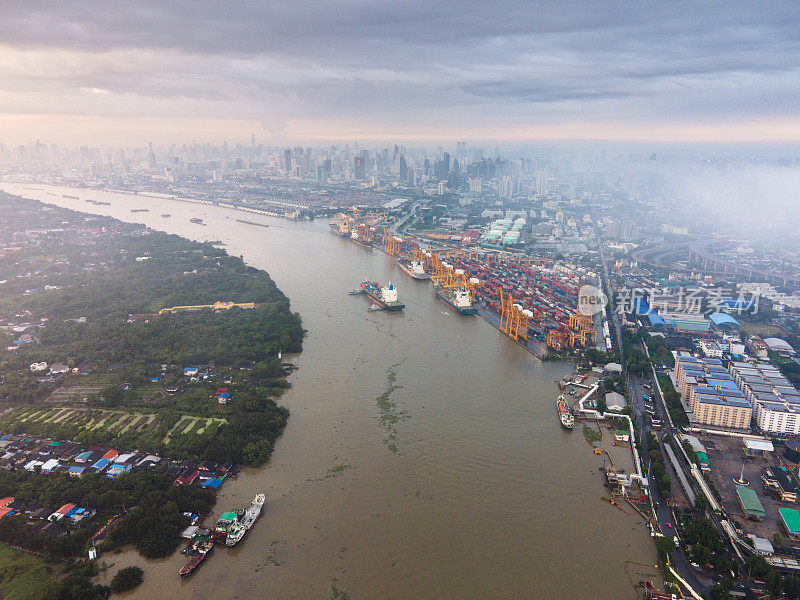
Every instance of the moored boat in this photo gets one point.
(414, 268)
(458, 300)
(241, 526)
(564, 413)
(198, 552)
(340, 229)
(385, 297)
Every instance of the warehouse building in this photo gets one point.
(724, 323)
(751, 505)
(790, 519)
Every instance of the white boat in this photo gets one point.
(241, 526)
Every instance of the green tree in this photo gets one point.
(127, 579)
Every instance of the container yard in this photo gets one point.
(535, 299)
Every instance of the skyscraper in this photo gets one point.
(403, 169)
(358, 167)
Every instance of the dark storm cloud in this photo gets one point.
(466, 60)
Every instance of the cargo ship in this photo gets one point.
(196, 220)
(251, 222)
(458, 300)
(68, 197)
(133, 210)
(414, 268)
(356, 239)
(564, 414)
(242, 525)
(339, 230)
(385, 297)
(198, 551)
(166, 215)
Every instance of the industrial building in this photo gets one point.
(724, 323)
(751, 505)
(776, 401)
(790, 519)
(778, 480)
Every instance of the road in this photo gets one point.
(636, 392)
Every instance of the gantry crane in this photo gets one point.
(514, 319)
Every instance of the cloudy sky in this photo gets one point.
(300, 71)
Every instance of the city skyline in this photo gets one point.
(123, 74)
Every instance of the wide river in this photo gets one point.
(459, 483)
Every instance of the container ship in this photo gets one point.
(338, 229)
(414, 268)
(385, 297)
(458, 300)
(356, 239)
(564, 414)
(197, 552)
(242, 525)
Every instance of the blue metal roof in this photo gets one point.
(723, 319)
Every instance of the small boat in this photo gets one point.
(355, 292)
(166, 215)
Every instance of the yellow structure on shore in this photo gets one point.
(215, 306)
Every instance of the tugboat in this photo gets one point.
(564, 414)
(241, 526)
(385, 297)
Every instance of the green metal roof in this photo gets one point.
(750, 502)
(703, 458)
(228, 516)
(791, 518)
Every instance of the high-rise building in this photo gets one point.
(287, 160)
(403, 168)
(358, 167)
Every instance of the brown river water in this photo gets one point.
(459, 483)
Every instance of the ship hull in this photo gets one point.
(410, 273)
(472, 310)
(375, 297)
(360, 243)
(251, 516)
(564, 416)
(335, 229)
